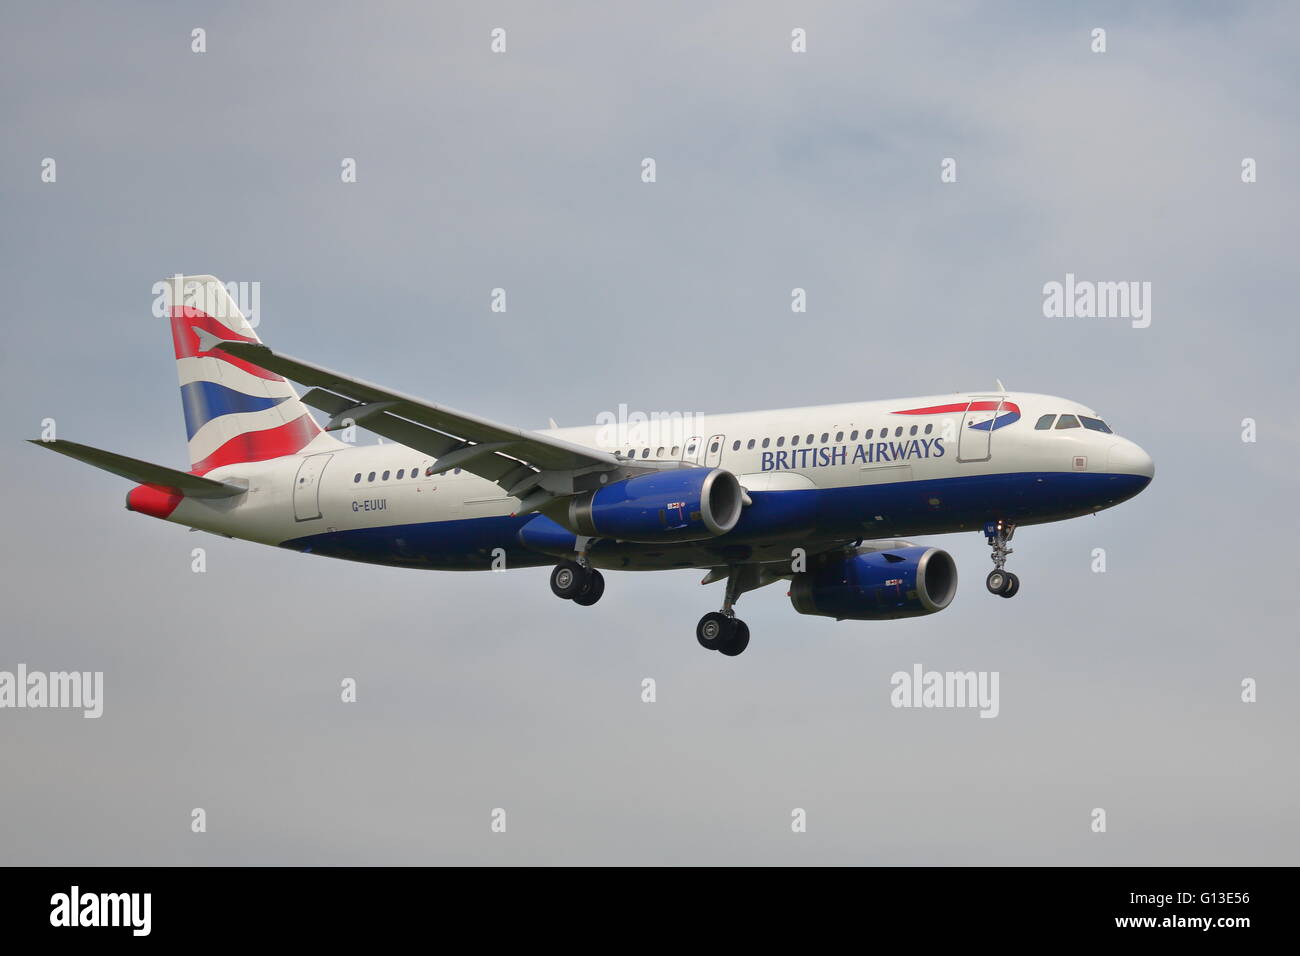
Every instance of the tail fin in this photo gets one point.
(234, 410)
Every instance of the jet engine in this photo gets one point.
(878, 585)
(683, 504)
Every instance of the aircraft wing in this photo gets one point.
(527, 465)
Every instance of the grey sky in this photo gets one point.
(775, 170)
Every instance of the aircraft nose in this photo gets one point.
(1128, 458)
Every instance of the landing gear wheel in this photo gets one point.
(714, 629)
(1000, 581)
(592, 590)
(567, 579)
(735, 645)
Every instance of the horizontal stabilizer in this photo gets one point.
(192, 486)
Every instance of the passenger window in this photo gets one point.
(415, 472)
(456, 471)
(1045, 422)
(372, 477)
(780, 442)
(867, 434)
(675, 450)
(713, 449)
(358, 477)
(1096, 424)
(385, 476)
(401, 473)
(750, 445)
(898, 432)
(660, 452)
(912, 431)
(1068, 421)
(810, 439)
(766, 442)
(735, 445)
(929, 428)
(794, 440)
(645, 453)
(825, 436)
(839, 437)
(853, 435)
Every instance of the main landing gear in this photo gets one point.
(577, 583)
(721, 630)
(1000, 581)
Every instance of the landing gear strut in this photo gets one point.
(572, 581)
(1000, 581)
(721, 630)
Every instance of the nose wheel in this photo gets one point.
(1000, 581)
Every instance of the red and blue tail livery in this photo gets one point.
(235, 411)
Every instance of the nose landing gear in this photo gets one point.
(1000, 581)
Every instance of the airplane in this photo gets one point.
(822, 497)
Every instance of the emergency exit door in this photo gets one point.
(713, 451)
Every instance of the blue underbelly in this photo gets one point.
(899, 509)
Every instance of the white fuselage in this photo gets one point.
(360, 490)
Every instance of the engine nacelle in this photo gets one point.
(878, 585)
(684, 504)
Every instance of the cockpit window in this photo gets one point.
(1068, 421)
(1045, 422)
(1096, 424)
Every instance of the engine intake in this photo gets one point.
(878, 585)
(685, 504)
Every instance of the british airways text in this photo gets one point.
(790, 459)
